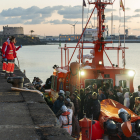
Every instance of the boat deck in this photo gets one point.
(25, 115)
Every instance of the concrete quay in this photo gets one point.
(25, 115)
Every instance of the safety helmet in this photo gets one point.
(64, 108)
(61, 92)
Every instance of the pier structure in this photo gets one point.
(25, 115)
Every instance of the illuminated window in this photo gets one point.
(65, 36)
(69, 39)
(77, 37)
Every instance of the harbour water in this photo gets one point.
(38, 60)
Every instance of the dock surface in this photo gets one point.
(25, 115)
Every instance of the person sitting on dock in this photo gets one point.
(10, 55)
(4, 59)
(65, 119)
(58, 103)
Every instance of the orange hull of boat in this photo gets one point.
(109, 110)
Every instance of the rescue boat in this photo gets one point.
(114, 117)
(81, 73)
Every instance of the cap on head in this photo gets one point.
(88, 89)
(67, 93)
(64, 108)
(74, 95)
(68, 100)
(139, 86)
(61, 92)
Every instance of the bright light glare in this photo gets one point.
(82, 73)
(131, 73)
(100, 62)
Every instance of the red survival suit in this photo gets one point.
(11, 55)
(4, 48)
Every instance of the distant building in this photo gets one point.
(8, 31)
(49, 38)
(122, 36)
(132, 37)
(69, 37)
(52, 38)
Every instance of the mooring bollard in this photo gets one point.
(16, 81)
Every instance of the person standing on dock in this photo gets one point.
(10, 56)
(4, 59)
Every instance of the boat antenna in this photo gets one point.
(124, 34)
(83, 5)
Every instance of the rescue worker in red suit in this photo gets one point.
(11, 55)
(65, 119)
(4, 60)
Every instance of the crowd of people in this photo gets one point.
(69, 108)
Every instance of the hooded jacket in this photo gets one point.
(126, 100)
(120, 97)
(57, 105)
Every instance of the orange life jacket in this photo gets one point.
(10, 52)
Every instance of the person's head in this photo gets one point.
(119, 89)
(81, 91)
(37, 79)
(61, 92)
(115, 88)
(94, 86)
(111, 92)
(67, 93)
(139, 88)
(34, 78)
(38, 87)
(67, 101)
(61, 97)
(100, 91)
(90, 87)
(90, 95)
(87, 90)
(73, 96)
(106, 85)
(138, 100)
(13, 39)
(64, 108)
(76, 92)
(107, 90)
(94, 95)
(124, 91)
